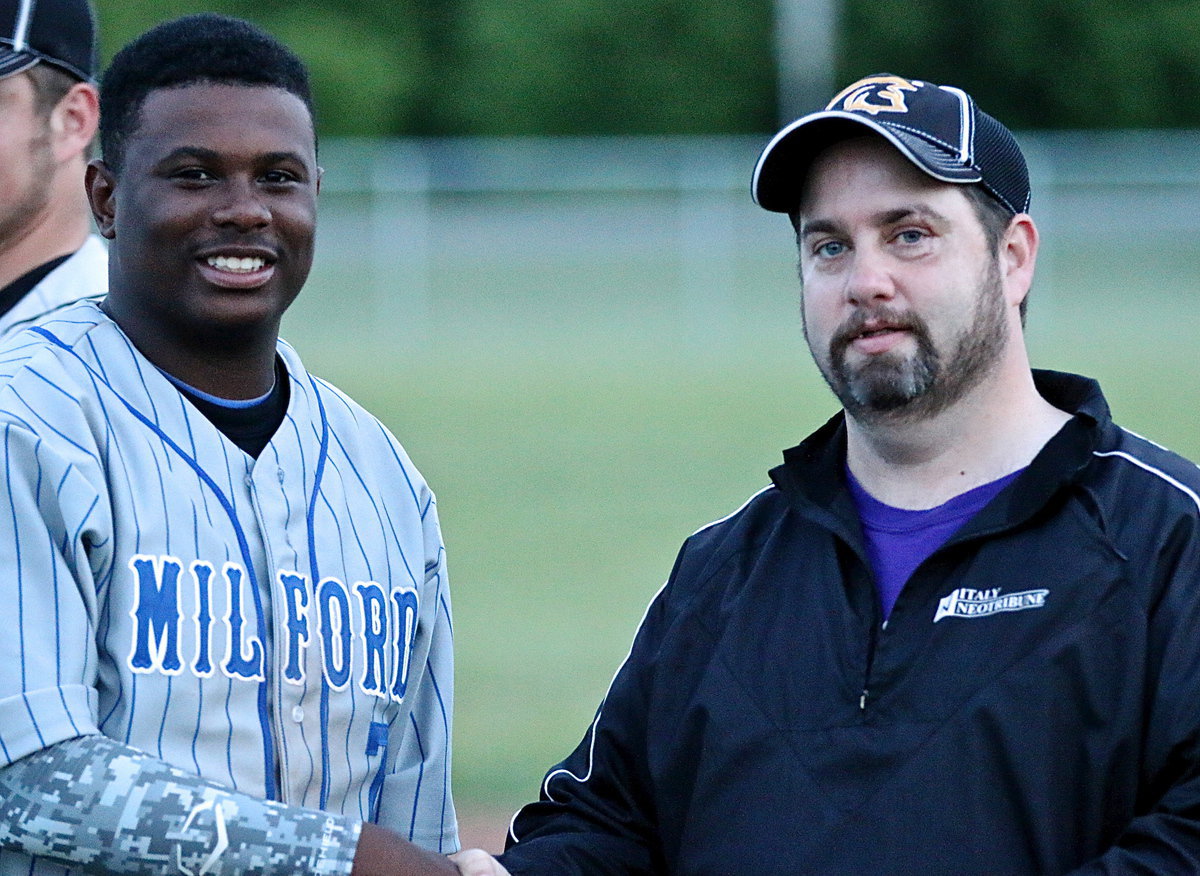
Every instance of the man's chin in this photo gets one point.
(882, 387)
(879, 406)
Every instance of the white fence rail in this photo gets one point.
(420, 235)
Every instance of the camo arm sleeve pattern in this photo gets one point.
(95, 803)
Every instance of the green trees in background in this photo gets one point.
(608, 67)
(371, 63)
(1041, 63)
(500, 67)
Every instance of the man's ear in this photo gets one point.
(74, 120)
(1018, 257)
(101, 185)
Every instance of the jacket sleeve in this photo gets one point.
(1165, 836)
(596, 813)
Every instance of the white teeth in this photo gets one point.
(237, 265)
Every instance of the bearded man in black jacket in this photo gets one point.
(959, 633)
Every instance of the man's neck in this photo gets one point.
(228, 367)
(998, 428)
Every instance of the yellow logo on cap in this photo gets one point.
(887, 91)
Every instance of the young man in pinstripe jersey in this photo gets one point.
(959, 633)
(229, 644)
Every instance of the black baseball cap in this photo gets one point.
(936, 127)
(61, 33)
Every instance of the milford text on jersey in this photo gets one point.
(364, 633)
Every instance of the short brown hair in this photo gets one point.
(995, 219)
(50, 85)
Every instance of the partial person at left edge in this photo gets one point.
(49, 111)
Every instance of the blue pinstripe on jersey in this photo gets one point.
(412, 824)
(315, 571)
(294, 426)
(437, 689)
(20, 599)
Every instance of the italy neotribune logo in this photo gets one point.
(967, 602)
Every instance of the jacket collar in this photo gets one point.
(812, 473)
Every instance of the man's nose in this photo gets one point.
(243, 206)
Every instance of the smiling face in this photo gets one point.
(904, 307)
(212, 218)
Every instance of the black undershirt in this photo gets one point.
(19, 288)
(249, 428)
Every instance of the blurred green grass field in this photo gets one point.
(574, 444)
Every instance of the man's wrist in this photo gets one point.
(382, 853)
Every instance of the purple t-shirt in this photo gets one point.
(898, 539)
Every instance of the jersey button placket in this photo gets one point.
(263, 499)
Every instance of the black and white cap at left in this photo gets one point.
(61, 33)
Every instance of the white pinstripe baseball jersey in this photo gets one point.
(281, 625)
(83, 275)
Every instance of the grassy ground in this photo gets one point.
(573, 448)
(564, 489)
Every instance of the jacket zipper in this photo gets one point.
(872, 642)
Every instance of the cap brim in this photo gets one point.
(12, 63)
(783, 165)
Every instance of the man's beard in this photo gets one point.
(22, 211)
(914, 386)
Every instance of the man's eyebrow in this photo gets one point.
(191, 152)
(818, 226)
(205, 154)
(915, 211)
(881, 219)
(282, 155)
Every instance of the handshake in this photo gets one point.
(476, 862)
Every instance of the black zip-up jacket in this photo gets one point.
(1032, 706)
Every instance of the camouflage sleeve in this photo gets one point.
(95, 803)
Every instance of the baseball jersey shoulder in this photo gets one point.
(60, 356)
(353, 430)
(83, 275)
(72, 377)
